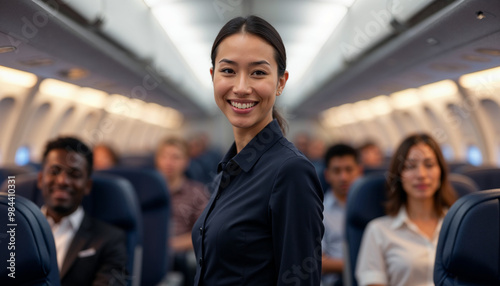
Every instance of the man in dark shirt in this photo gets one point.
(89, 252)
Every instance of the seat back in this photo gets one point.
(112, 200)
(154, 199)
(364, 203)
(462, 184)
(469, 242)
(6, 171)
(138, 161)
(486, 177)
(28, 236)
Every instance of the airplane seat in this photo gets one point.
(364, 203)
(469, 242)
(375, 170)
(31, 241)
(6, 171)
(197, 172)
(462, 184)
(154, 200)
(112, 200)
(457, 166)
(138, 161)
(486, 177)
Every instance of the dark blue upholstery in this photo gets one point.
(469, 243)
(154, 200)
(457, 166)
(138, 161)
(35, 252)
(6, 171)
(364, 203)
(485, 177)
(462, 184)
(112, 200)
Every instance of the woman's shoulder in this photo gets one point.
(289, 151)
(380, 223)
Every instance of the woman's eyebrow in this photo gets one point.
(263, 62)
(227, 61)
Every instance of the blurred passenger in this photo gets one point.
(89, 252)
(316, 154)
(400, 248)
(204, 159)
(263, 225)
(301, 141)
(104, 157)
(342, 169)
(188, 199)
(371, 155)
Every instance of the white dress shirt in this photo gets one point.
(333, 219)
(64, 231)
(395, 252)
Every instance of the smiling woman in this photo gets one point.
(399, 249)
(263, 225)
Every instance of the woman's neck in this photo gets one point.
(243, 136)
(421, 209)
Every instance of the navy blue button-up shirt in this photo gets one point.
(263, 224)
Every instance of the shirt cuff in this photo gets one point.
(372, 277)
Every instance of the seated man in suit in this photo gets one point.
(89, 252)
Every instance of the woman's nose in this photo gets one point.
(242, 86)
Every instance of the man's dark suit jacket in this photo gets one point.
(96, 256)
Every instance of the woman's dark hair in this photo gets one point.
(396, 198)
(261, 28)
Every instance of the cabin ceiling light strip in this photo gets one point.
(481, 79)
(91, 97)
(405, 98)
(17, 77)
(361, 110)
(441, 89)
(380, 105)
(190, 38)
(301, 53)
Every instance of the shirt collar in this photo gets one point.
(75, 219)
(251, 153)
(331, 201)
(402, 218)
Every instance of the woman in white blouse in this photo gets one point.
(400, 248)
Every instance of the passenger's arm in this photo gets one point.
(181, 242)
(296, 215)
(331, 265)
(112, 268)
(371, 265)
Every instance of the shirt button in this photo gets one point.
(201, 230)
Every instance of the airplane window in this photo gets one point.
(498, 156)
(447, 152)
(474, 155)
(22, 156)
